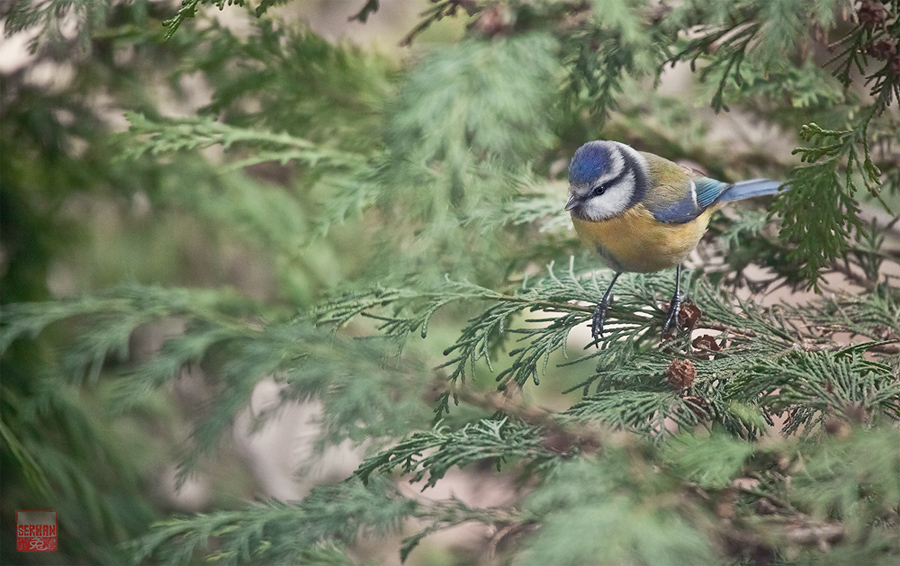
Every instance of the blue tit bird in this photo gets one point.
(643, 213)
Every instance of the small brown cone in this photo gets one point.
(681, 373)
(689, 316)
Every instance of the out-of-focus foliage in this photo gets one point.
(283, 208)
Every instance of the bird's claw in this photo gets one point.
(598, 319)
(674, 311)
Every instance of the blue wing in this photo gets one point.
(707, 192)
(697, 198)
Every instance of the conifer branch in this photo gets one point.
(169, 136)
(280, 532)
(434, 452)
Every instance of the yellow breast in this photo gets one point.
(635, 241)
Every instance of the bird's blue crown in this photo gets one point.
(589, 162)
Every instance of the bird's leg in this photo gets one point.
(600, 312)
(675, 305)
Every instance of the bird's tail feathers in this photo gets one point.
(750, 189)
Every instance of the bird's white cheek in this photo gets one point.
(612, 202)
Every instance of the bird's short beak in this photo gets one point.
(572, 203)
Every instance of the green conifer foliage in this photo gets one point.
(403, 261)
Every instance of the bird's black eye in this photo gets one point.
(598, 190)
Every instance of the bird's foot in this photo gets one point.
(598, 320)
(674, 311)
